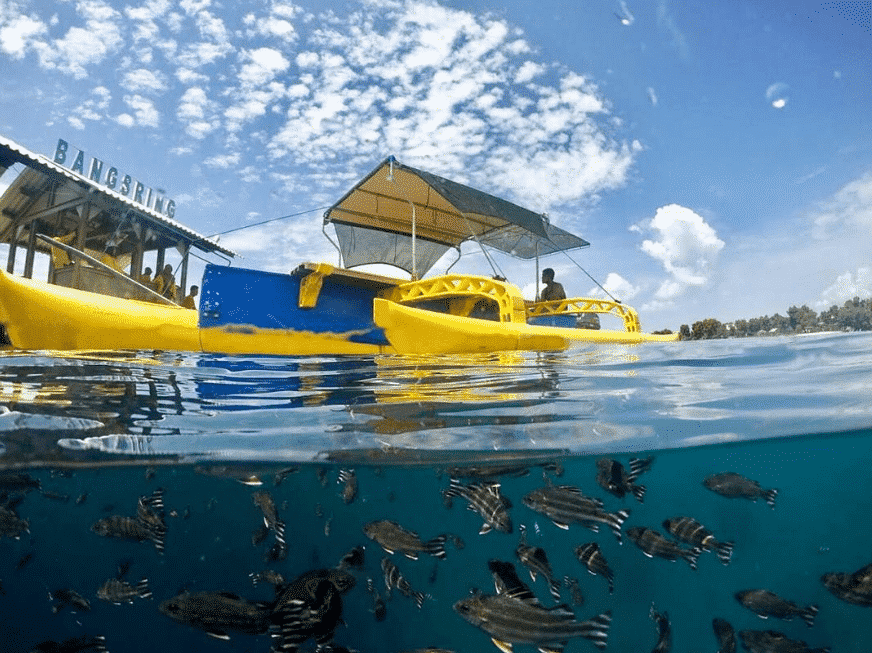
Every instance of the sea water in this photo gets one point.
(98, 430)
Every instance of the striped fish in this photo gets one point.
(393, 537)
(690, 531)
(309, 607)
(591, 557)
(486, 500)
(118, 591)
(536, 561)
(653, 544)
(393, 578)
(733, 485)
(613, 478)
(664, 631)
(511, 621)
(565, 504)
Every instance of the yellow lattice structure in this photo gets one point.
(463, 293)
(578, 305)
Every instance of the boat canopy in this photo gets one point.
(397, 210)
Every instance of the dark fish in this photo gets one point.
(11, 525)
(73, 645)
(218, 612)
(574, 590)
(725, 634)
(535, 560)
(733, 485)
(348, 479)
(690, 531)
(309, 607)
(393, 537)
(282, 474)
(768, 604)
(485, 499)
(379, 609)
(68, 598)
(591, 557)
(511, 621)
(148, 524)
(23, 561)
(267, 505)
(259, 534)
(613, 478)
(565, 504)
(15, 482)
(854, 588)
(267, 576)
(664, 631)
(653, 544)
(127, 528)
(486, 472)
(507, 583)
(240, 473)
(55, 496)
(354, 559)
(81, 498)
(770, 641)
(393, 578)
(118, 591)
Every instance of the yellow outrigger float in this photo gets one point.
(396, 215)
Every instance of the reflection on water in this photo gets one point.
(587, 400)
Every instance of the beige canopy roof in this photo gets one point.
(375, 220)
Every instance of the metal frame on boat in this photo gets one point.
(97, 237)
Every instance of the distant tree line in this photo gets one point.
(854, 315)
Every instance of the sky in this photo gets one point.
(717, 156)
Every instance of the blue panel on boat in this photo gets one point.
(268, 300)
(565, 321)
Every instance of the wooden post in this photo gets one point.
(31, 247)
(13, 241)
(183, 280)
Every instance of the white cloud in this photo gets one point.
(666, 22)
(222, 161)
(685, 245)
(17, 32)
(144, 111)
(617, 286)
(262, 65)
(84, 46)
(196, 112)
(143, 80)
(848, 213)
(528, 71)
(776, 94)
(847, 286)
(652, 96)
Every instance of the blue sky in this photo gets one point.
(718, 156)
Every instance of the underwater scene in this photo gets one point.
(688, 497)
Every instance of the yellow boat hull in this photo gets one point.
(416, 331)
(39, 315)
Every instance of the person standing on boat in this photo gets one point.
(188, 301)
(553, 290)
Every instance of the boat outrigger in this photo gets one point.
(98, 237)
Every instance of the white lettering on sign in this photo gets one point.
(142, 194)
